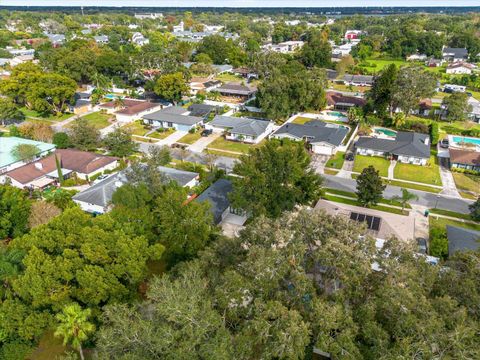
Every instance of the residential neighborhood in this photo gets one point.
(239, 182)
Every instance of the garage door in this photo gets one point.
(322, 149)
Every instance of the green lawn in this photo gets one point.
(222, 153)
(145, 140)
(376, 65)
(301, 120)
(379, 163)
(330, 171)
(336, 161)
(228, 77)
(161, 134)
(190, 138)
(136, 128)
(222, 144)
(49, 117)
(97, 119)
(353, 195)
(442, 223)
(429, 174)
(467, 182)
(355, 203)
(343, 87)
(412, 186)
(450, 213)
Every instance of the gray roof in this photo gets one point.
(101, 194)
(405, 143)
(236, 89)
(367, 79)
(222, 68)
(457, 52)
(201, 109)
(173, 114)
(242, 126)
(315, 131)
(101, 38)
(462, 239)
(217, 196)
(56, 38)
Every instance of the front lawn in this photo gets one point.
(336, 161)
(407, 185)
(441, 223)
(97, 119)
(32, 114)
(190, 138)
(136, 128)
(227, 145)
(429, 174)
(467, 182)
(161, 134)
(379, 163)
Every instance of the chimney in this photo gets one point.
(38, 165)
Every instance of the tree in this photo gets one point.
(438, 243)
(383, 89)
(456, 106)
(398, 120)
(36, 131)
(265, 188)
(405, 198)
(74, 326)
(434, 135)
(61, 140)
(475, 210)
(84, 136)
(316, 51)
(14, 212)
(120, 143)
(25, 152)
(9, 112)
(344, 65)
(171, 87)
(369, 187)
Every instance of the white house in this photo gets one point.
(241, 129)
(131, 109)
(460, 68)
(139, 39)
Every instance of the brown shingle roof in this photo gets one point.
(130, 107)
(335, 97)
(465, 157)
(75, 160)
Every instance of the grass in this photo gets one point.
(228, 77)
(356, 203)
(466, 195)
(330, 171)
(301, 120)
(377, 65)
(429, 174)
(145, 140)
(227, 145)
(49, 117)
(467, 182)
(97, 119)
(161, 135)
(413, 186)
(222, 153)
(336, 161)
(450, 214)
(136, 128)
(379, 163)
(48, 348)
(441, 223)
(353, 195)
(190, 138)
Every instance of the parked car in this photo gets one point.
(469, 94)
(207, 132)
(422, 245)
(444, 143)
(349, 156)
(100, 178)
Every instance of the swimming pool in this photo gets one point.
(466, 140)
(386, 132)
(336, 114)
(113, 96)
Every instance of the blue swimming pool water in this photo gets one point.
(336, 113)
(113, 96)
(461, 139)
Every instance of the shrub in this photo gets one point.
(438, 243)
(434, 133)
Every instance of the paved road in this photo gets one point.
(429, 200)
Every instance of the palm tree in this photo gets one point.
(74, 326)
(398, 119)
(406, 197)
(118, 102)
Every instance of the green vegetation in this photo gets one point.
(450, 213)
(362, 162)
(467, 182)
(301, 120)
(336, 161)
(441, 223)
(228, 145)
(136, 128)
(35, 115)
(190, 138)
(97, 119)
(330, 171)
(429, 174)
(354, 196)
(159, 135)
(343, 200)
(412, 186)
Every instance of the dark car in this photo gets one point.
(422, 245)
(207, 132)
(469, 94)
(444, 144)
(349, 156)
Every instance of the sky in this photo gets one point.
(241, 3)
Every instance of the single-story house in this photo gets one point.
(245, 72)
(285, 47)
(44, 172)
(82, 103)
(464, 159)
(241, 129)
(202, 110)
(97, 198)
(323, 138)
(461, 239)
(101, 39)
(203, 84)
(432, 62)
(139, 39)
(454, 54)
(174, 117)
(331, 74)
(7, 145)
(358, 80)
(407, 147)
(424, 107)
(237, 91)
(131, 109)
(56, 39)
(217, 196)
(460, 68)
(338, 101)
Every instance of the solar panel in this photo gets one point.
(373, 222)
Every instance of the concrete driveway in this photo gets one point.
(318, 162)
(200, 145)
(448, 182)
(173, 138)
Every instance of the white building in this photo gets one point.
(139, 39)
(460, 68)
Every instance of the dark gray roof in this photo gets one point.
(173, 114)
(217, 196)
(462, 239)
(331, 74)
(201, 109)
(101, 194)
(236, 89)
(405, 143)
(242, 126)
(315, 131)
(367, 79)
(457, 52)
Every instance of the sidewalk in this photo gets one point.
(391, 169)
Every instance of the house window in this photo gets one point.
(169, 124)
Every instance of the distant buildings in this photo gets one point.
(353, 34)
(237, 92)
(139, 39)
(460, 68)
(153, 16)
(286, 47)
(56, 39)
(454, 54)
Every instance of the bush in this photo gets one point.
(434, 133)
(438, 243)
(192, 130)
(15, 351)
(465, 171)
(61, 140)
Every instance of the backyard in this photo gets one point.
(301, 120)
(429, 174)
(97, 119)
(379, 163)
(32, 114)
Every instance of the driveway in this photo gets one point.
(448, 182)
(173, 138)
(318, 163)
(200, 145)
